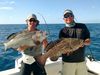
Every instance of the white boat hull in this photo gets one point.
(54, 68)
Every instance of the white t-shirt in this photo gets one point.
(27, 59)
(28, 55)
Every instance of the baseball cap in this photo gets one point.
(32, 16)
(67, 11)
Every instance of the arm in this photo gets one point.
(22, 48)
(41, 58)
(87, 40)
(45, 42)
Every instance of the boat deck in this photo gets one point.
(55, 69)
(51, 69)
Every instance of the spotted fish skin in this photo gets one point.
(62, 46)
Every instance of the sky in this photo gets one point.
(51, 11)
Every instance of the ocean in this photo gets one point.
(7, 59)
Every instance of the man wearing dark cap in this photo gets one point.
(74, 63)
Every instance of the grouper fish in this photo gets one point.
(24, 38)
(62, 46)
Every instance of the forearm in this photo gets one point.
(45, 42)
(22, 48)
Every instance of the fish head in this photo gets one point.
(39, 36)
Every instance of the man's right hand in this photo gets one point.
(22, 48)
(54, 58)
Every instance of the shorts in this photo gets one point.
(35, 68)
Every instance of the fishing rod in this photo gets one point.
(46, 25)
(92, 55)
(44, 22)
(46, 28)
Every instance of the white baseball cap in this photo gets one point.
(32, 16)
(67, 11)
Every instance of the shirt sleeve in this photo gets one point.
(86, 33)
(60, 34)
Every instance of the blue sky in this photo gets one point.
(16, 11)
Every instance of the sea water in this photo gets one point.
(7, 59)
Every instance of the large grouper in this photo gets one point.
(63, 46)
(22, 38)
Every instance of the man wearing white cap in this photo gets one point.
(32, 63)
(74, 63)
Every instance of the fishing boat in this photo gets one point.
(54, 68)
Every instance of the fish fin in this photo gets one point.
(11, 36)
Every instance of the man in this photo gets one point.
(30, 62)
(74, 63)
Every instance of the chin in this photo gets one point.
(68, 22)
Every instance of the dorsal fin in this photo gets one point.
(11, 36)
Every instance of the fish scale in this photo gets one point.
(62, 46)
(24, 38)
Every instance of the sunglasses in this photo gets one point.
(32, 20)
(68, 15)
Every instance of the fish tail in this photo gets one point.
(5, 45)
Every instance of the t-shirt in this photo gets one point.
(29, 54)
(78, 31)
(27, 58)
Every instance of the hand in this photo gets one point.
(22, 48)
(87, 42)
(54, 58)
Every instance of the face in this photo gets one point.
(68, 18)
(32, 23)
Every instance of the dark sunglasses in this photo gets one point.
(68, 15)
(32, 20)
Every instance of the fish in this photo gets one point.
(62, 46)
(22, 38)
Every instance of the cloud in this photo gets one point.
(12, 2)
(6, 8)
(6, 5)
(7, 2)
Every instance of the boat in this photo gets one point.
(54, 68)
